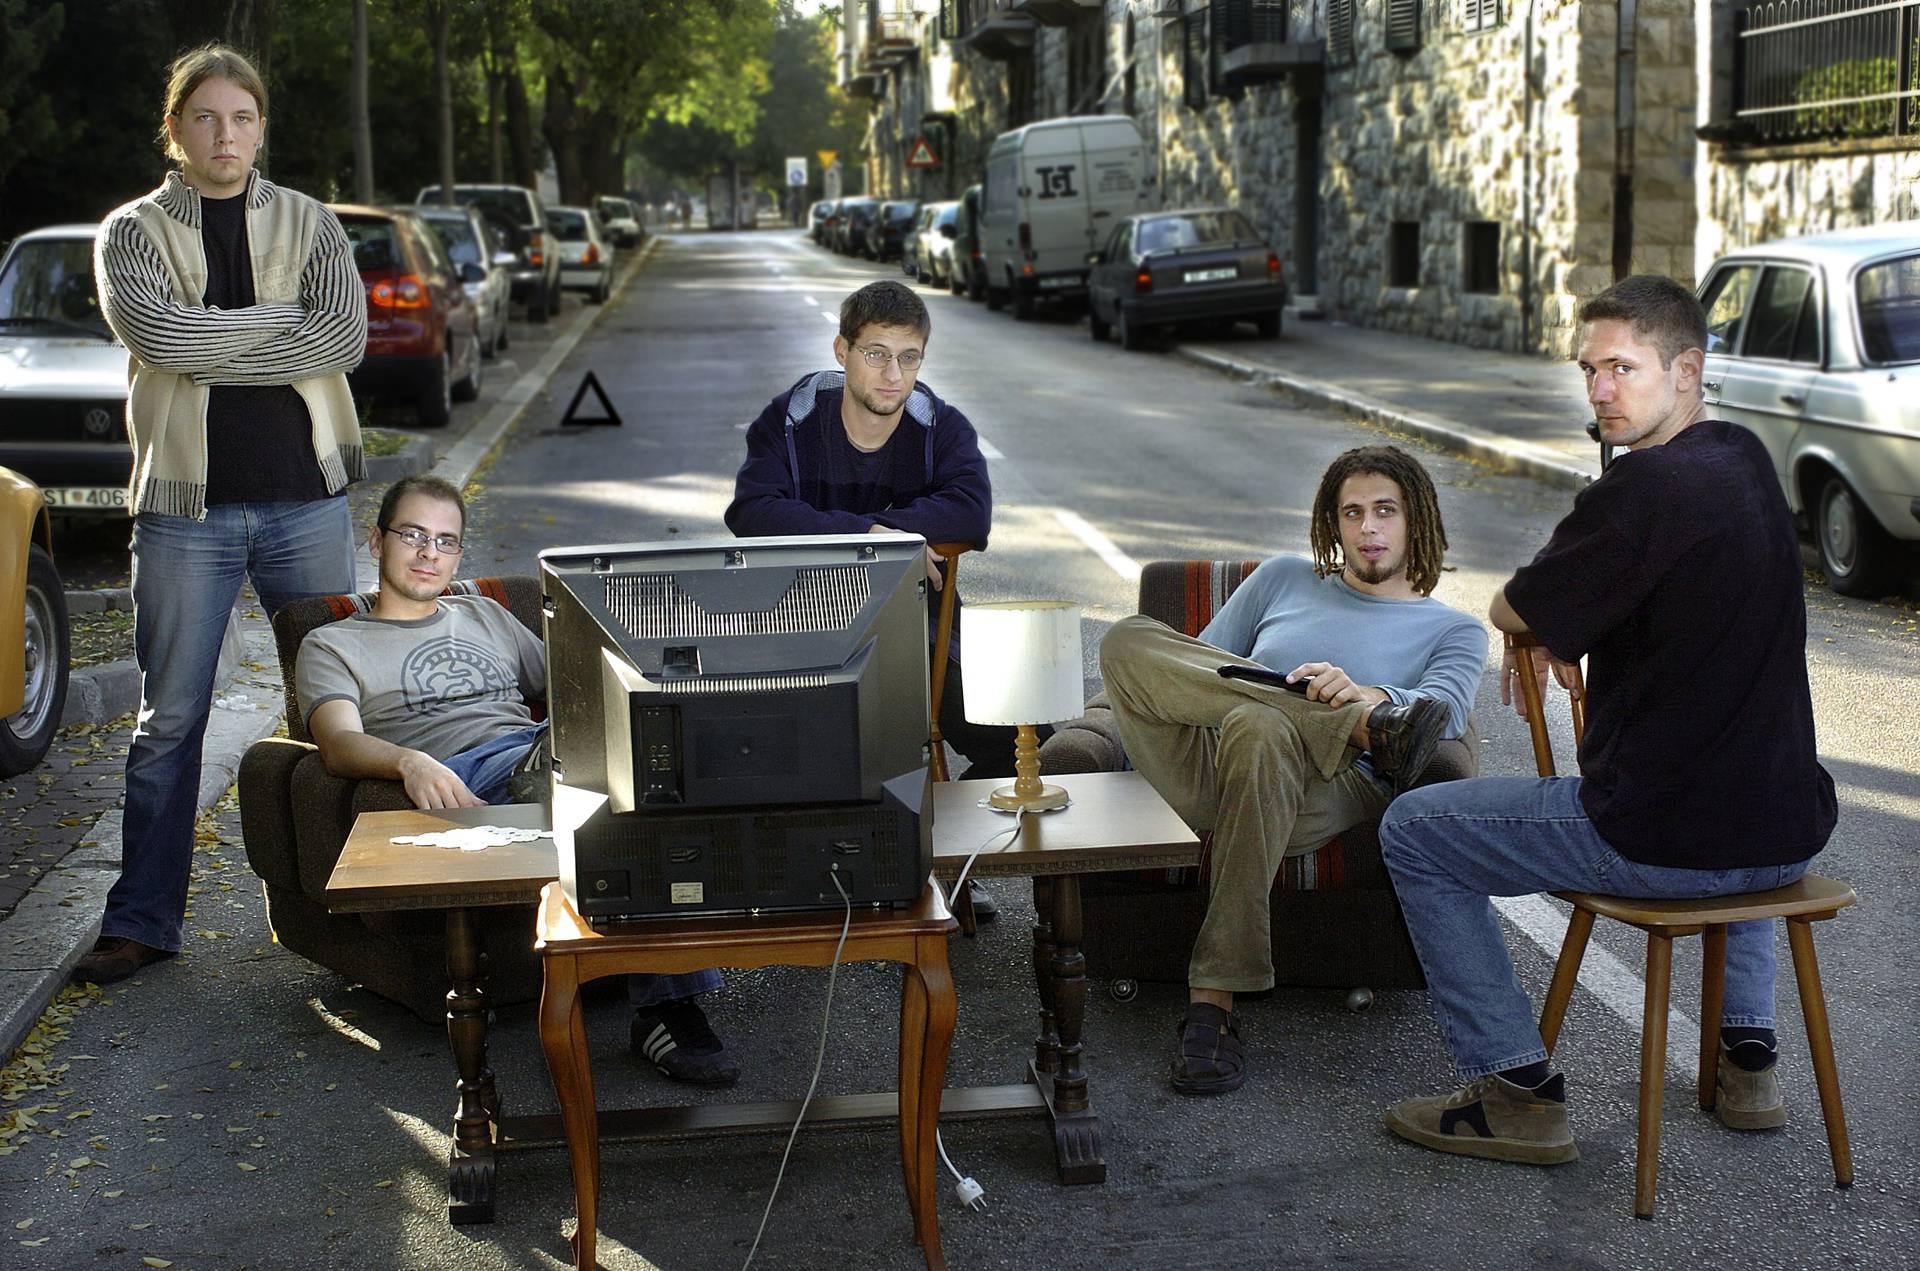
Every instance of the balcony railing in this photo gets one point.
(1252, 38)
(1808, 70)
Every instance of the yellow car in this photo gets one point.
(33, 628)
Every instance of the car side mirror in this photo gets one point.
(470, 272)
(506, 260)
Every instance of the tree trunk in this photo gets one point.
(520, 127)
(562, 126)
(442, 18)
(362, 116)
(250, 29)
(603, 157)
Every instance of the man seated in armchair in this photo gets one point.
(1376, 673)
(432, 690)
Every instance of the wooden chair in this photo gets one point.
(573, 952)
(1810, 900)
(937, 683)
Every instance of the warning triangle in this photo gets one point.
(611, 418)
(922, 155)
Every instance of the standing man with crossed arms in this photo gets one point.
(242, 312)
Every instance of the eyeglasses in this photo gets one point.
(445, 544)
(878, 358)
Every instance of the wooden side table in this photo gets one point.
(1116, 821)
(573, 952)
(376, 874)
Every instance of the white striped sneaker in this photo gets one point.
(676, 1039)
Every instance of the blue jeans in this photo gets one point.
(485, 770)
(186, 578)
(1451, 846)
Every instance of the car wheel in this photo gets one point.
(554, 297)
(976, 289)
(1097, 325)
(954, 286)
(434, 407)
(537, 305)
(1132, 335)
(1022, 303)
(600, 293)
(26, 734)
(1860, 558)
(468, 389)
(500, 329)
(1268, 325)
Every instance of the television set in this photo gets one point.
(738, 724)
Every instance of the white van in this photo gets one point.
(1053, 193)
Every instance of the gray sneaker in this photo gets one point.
(1494, 1119)
(1747, 1100)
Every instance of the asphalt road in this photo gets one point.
(341, 1103)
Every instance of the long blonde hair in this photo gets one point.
(194, 68)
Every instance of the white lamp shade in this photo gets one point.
(1022, 661)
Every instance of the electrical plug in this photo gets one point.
(971, 1194)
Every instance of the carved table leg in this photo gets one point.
(1046, 1047)
(470, 1162)
(1076, 1130)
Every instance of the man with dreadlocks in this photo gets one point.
(1368, 674)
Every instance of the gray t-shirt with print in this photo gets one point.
(440, 684)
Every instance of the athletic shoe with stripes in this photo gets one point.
(676, 1039)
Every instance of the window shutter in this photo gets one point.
(1403, 26)
(1340, 30)
(1194, 69)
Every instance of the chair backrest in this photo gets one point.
(1185, 594)
(942, 642)
(1527, 649)
(520, 593)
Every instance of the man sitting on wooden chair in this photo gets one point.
(423, 675)
(869, 449)
(1677, 575)
(1381, 673)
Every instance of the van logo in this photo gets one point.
(1057, 182)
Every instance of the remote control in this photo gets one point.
(1261, 675)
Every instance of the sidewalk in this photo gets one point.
(1515, 412)
(58, 918)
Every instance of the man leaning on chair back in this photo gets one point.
(1677, 575)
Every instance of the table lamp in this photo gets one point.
(1023, 667)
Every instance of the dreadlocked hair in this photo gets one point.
(1426, 535)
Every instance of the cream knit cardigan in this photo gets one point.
(307, 328)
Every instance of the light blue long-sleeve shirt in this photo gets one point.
(1284, 615)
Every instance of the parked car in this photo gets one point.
(586, 258)
(621, 218)
(484, 263)
(968, 274)
(819, 217)
(536, 274)
(423, 334)
(933, 244)
(889, 228)
(63, 377)
(855, 216)
(1199, 264)
(34, 641)
(1052, 191)
(1814, 344)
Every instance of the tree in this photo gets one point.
(362, 109)
(26, 111)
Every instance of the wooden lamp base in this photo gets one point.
(1027, 793)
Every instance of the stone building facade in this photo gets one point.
(1466, 170)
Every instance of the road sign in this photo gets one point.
(797, 170)
(826, 158)
(921, 156)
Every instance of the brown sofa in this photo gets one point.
(295, 817)
(1336, 920)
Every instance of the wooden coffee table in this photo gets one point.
(1116, 821)
(375, 873)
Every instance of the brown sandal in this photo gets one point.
(1209, 1060)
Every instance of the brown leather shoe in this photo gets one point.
(1401, 739)
(114, 958)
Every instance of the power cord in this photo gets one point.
(819, 1059)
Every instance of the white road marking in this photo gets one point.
(810, 300)
(987, 448)
(1101, 546)
(1619, 987)
(831, 317)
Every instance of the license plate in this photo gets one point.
(103, 498)
(1050, 284)
(1222, 274)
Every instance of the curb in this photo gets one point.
(414, 457)
(1503, 454)
(56, 922)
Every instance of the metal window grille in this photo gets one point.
(1244, 22)
(1194, 63)
(1403, 26)
(1340, 31)
(953, 19)
(1479, 15)
(1828, 69)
